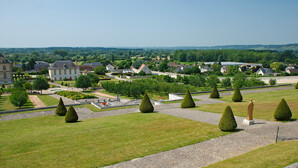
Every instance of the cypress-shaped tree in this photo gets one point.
(61, 110)
(282, 112)
(214, 93)
(227, 121)
(146, 105)
(71, 115)
(296, 87)
(187, 102)
(237, 97)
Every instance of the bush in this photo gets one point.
(71, 115)
(226, 83)
(212, 80)
(227, 121)
(18, 97)
(187, 102)
(214, 93)
(240, 80)
(282, 112)
(146, 106)
(237, 97)
(61, 110)
(74, 95)
(253, 81)
(296, 87)
(62, 84)
(272, 82)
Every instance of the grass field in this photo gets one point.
(5, 105)
(48, 100)
(50, 142)
(264, 104)
(272, 156)
(71, 83)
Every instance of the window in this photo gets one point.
(64, 71)
(4, 67)
(54, 72)
(60, 72)
(69, 71)
(4, 76)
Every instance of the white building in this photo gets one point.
(143, 68)
(60, 70)
(264, 71)
(110, 67)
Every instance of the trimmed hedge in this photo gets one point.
(71, 115)
(214, 93)
(146, 105)
(61, 110)
(237, 97)
(187, 102)
(227, 121)
(282, 112)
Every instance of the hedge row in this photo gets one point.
(75, 95)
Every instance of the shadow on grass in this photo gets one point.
(236, 130)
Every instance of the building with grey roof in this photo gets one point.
(5, 70)
(60, 70)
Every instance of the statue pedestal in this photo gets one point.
(248, 122)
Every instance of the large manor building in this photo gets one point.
(5, 70)
(60, 70)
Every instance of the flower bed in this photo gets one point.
(75, 95)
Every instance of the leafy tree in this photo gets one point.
(137, 64)
(282, 112)
(212, 80)
(27, 86)
(195, 70)
(31, 64)
(40, 83)
(146, 106)
(253, 81)
(142, 73)
(278, 66)
(83, 82)
(163, 67)
(227, 121)
(100, 70)
(188, 102)
(243, 68)
(71, 115)
(43, 71)
(61, 110)
(226, 83)
(94, 79)
(237, 97)
(239, 80)
(216, 67)
(62, 53)
(214, 93)
(19, 83)
(18, 97)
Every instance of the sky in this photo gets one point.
(146, 23)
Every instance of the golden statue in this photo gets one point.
(250, 111)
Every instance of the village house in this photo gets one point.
(264, 71)
(60, 70)
(5, 70)
(143, 68)
(110, 68)
(205, 69)
(223, 69)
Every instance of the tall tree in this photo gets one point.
(40, 83)
(18, 97)
(83, 82)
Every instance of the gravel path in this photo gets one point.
(102, 94)
(36, 101)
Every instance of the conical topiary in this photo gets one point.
(227, 121)
(187, 102)
(282, 112)
(237, 97)
(296, 87)
(61, 110)
(146, 105)
(214, 93)
(71, 115)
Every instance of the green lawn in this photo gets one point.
(5, 105)
(114, 94)
(264, 104)
(272, 156)
(50, 142)
(48, 100)
(71, 83)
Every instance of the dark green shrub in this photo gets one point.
(62, 83)
(214, 93)
(272, 82)
(227, 121)
(146, 106)
(71, 115)
(187, 102)
(282, 112)
(61, 110)
(296, 87)
(237, 97)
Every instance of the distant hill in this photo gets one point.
(281, 47)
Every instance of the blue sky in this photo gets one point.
(147, 23)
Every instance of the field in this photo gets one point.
(264, 104)
(5, 105)
(48, 100)
(274, 156)
(50, 142)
